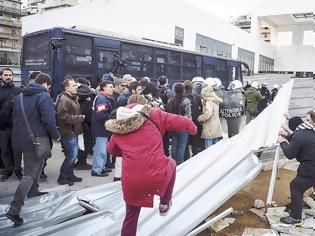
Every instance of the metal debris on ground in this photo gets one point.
(260, 213)
(292, 230)
(259, 232)
(222, 224)
(310, 202)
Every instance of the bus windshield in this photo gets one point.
(36, 51)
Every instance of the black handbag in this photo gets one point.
(42, 150)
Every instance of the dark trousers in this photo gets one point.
(88, 144)
(129, 227)
(33, 166)
(10, 158)
(297, 187)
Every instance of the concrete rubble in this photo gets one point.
(274, 214)
(260, 213)
(222, 224)
(258, 204)
(259, 232)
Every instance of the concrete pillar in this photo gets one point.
(256, 64)
(297, 36)
(255, 28)
(234, 53)
(273, 35)
(256, 32)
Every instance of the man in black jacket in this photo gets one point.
(10, 158)
(301, 147)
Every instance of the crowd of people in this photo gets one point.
(180, 122)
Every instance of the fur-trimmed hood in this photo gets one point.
(132, 119)
(208, 94)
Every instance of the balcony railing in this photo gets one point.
(10, 36)
(10, 23)
(12, 10)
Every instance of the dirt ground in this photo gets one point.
(245, 198)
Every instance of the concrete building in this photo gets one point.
(10, 32)
(35, 6)
(195, 29)
(244, 22)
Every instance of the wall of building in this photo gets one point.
(150, 19)
(10, 32)
(296, 57)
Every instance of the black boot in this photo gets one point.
(18, 175)
(16, 219)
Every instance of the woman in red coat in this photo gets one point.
(146, 171)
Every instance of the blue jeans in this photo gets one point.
(70, 148)
(179, 140)
(210, 142)
(99, 154)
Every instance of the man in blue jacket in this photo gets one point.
(102, 109)
(40, 113)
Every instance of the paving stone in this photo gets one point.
(259, 232)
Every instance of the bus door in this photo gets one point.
(234, 73)
(105, 60)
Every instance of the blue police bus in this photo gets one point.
(61, 51)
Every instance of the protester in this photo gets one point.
(134, 87)
(151, 93)
(179, 105)
(196, 108)
(274, 91)
(102, 109)
(86, 96)
(210, 120)
(40, 114)
(138, 132)
(253, 97)
(196, 91)
(69, 120)
(165, 93)
(10, 157)
(264, 102)
(301, 147)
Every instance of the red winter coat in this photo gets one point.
(146, 171)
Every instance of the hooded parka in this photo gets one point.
(146, 171)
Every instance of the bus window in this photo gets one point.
(221, 65)
(36, 51)
(173, 72)
(189, 60)
(188, 73)
(145, 53)
(173, 58)
(78, 54)
(199, 61)
(138, 69)
(136, 53)
(161, 56)
(106, 60)
(208, 71)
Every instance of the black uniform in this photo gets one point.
(301, 147)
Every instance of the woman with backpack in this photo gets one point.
(179, 105)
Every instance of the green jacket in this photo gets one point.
(253, 97)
